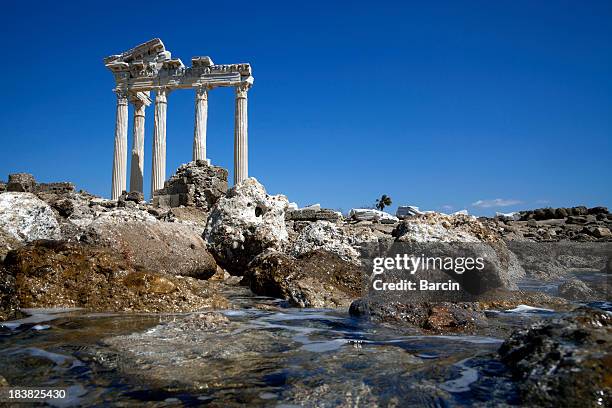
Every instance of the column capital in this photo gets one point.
(241, 90)
(202, 92)
(122, 96)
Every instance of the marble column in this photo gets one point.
(201, 116)
(158, 174)
(137, 162)
(241, 156)
(120, 152)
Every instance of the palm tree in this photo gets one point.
(383, 201)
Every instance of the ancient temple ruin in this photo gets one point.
(150, 67)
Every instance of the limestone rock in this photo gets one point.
(562, 361)
(175, 248)
(244, 223)
(314, 279)
(62, 274)
(366, 214)
(196, 184)
(328, 237)
(405, 211)
(26, 218)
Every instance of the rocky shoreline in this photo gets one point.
(194, 242)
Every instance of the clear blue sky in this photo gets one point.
(441, 105)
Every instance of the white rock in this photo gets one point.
(460, 212)
(407, 211)
(316, 207)
(326, 236)
(244, 223)
(514, 216)
(27, 218)
(292, 206)
(367, 214)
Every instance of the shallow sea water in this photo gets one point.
(278, 357)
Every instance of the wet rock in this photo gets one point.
(565, 361)
(9, 304)
(196, 184)
(437, 317)
(26, 218)
(575, 289)
(244, 223)
(328, 237)
(314, 279)
(62, 274)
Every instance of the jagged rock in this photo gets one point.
(565, 361)
(328, 237)
(366, 214)
(244, 223)
(21, 183)
(61, 274)
(575, 289)
(196, 184)
(314, 279)
(2, 187)
(26, 218)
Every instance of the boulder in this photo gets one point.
(575, 289)
(563, 362)
(26, 218)
(61, 274)
(175, 248)
(435, 317)
(326, 236)
(196, 184)
(244, 223)
(314, 279)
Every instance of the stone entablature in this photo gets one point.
(150, 67)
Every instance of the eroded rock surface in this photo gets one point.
(244, 223)
(61, 274)
(26, 218)
(313, 279)
(565, 361)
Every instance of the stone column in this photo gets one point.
(137, 163)
(158, 174)
(201, 115)
(120, 152)
(241, 156)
